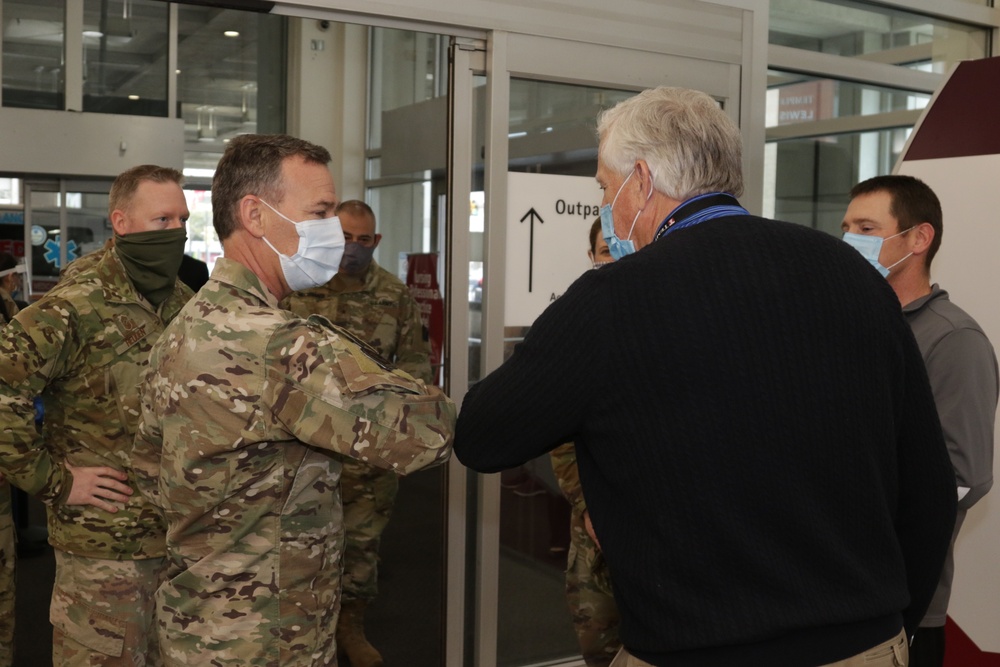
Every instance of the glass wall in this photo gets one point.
(879, 34)
(828, 130)
(230, 73)
(807, 177)
(33, 44)
(407, 128)
(125, 57)
(230, 78)
(799, 98)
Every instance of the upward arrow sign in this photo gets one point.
(533, 215)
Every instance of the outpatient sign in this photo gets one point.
(548, 226)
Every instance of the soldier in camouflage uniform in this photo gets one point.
(376, 307)
(8, 561)
(81, 348)
(245, 403)
(9, 278)
(588, 580)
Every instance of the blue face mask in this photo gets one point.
(870, 248)
(618, 247)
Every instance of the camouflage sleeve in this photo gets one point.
(568, 475)
(330, 393)
(148, 446)
(413, 350)
(33, 350)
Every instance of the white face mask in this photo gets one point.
(321, 247)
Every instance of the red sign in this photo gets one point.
(15, 248)
(421, 278)
(961, 651)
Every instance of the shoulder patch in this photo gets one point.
(369, 352)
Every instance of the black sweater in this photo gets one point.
(756, 437)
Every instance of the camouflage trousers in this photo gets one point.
(368, 495)
(591, 602)
(8, 561)
(102, 612)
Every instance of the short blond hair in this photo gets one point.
(125, 186)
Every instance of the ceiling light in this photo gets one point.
(231, 33)
(93, 33)
(133, 97)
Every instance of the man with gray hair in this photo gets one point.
(757, 440)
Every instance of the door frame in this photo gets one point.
(508, 56)
(54, 184)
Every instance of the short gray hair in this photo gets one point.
(690, 144)
(251, 164)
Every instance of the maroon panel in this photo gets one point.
(961, 651)
(964, 117)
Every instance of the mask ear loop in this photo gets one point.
(284, 217)
(903, 259)
(648, 197)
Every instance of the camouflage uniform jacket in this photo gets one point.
(82, 348)
(568, 476)
(378, 309)
(243, 403)
(9, 307)
(84, 262)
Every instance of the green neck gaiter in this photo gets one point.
(152, 260)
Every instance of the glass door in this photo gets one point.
(541, 199)
(64, 219)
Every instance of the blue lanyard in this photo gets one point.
(699, 209)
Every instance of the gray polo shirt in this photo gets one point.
(962, 369)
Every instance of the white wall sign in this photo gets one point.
(547, 239)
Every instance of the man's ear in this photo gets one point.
(119, 222)
(249, 210)
(923, 238)
(378, 239)
(645, 179)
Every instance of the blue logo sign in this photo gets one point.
(52, 252)
(11, 218)
(38, 235)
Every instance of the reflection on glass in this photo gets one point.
(407, 218)
(809, 179)
(405, 184)
(477, 228)
(228, 85)
(553, 126)
(33, 39)
(881, 34)
(408, 68)
(10, 191)
(125, 57)
(552, 131)
(795, 98)
(87, 228)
